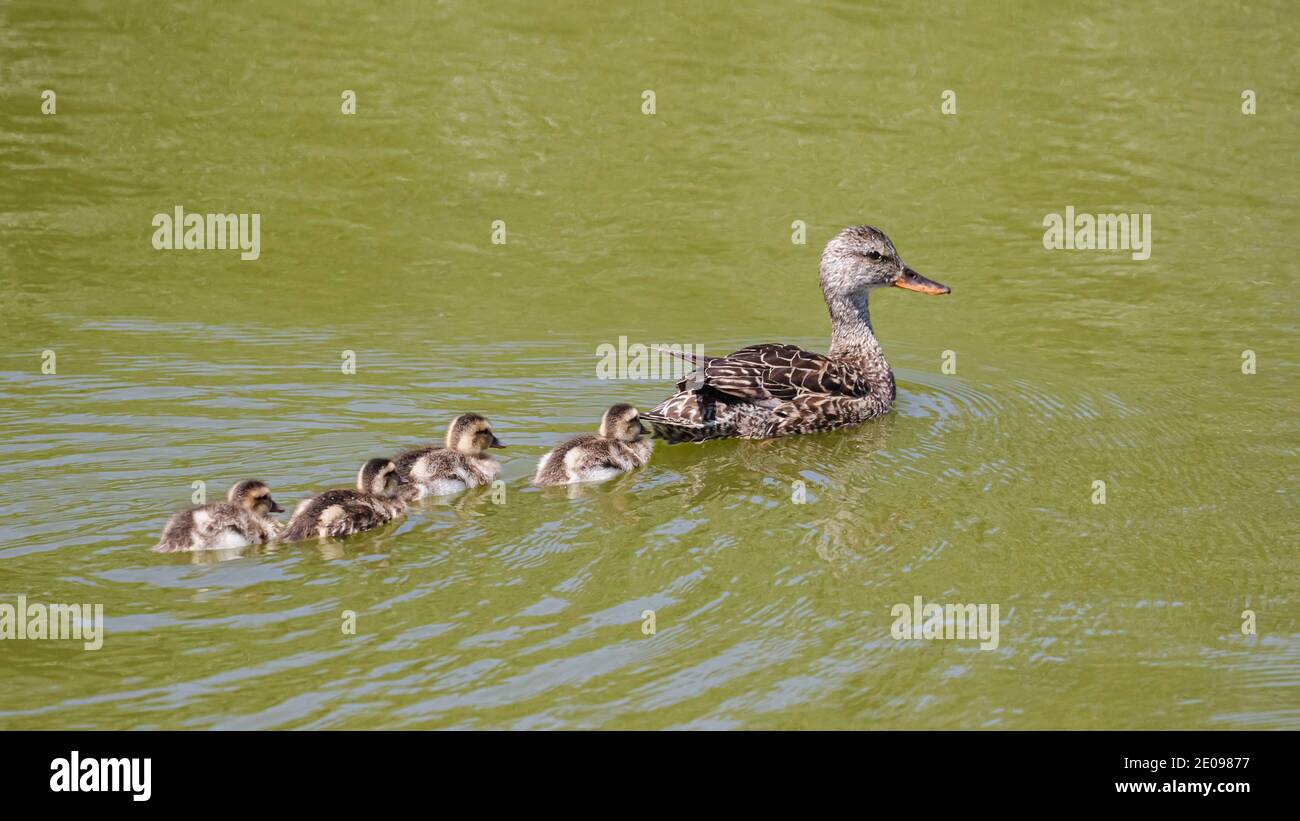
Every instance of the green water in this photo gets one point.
(1072, 367)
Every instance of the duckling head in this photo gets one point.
(622, 422)
(860, 258)
(253, 495)
(471, 435)
(379, 476)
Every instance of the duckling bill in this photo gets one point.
(619, 447)
(463, 463)
(242, 520)
(380, 496)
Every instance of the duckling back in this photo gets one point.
(441, 471)
(216, 526)
(337, 513)
(590, 458)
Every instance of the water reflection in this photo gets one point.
(1072, 368)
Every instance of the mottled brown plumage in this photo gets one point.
(776, 390)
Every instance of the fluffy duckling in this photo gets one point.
(243, 519)
(618, 448)
(381, 496)
(463, 463)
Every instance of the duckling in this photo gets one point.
(381, 496)
(464, 462)
(618, 448)
(243, 519)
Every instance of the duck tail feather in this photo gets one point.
(674, 431)
(694, 359)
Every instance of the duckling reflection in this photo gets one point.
(380, 542)
(610, 494)
(465, 506)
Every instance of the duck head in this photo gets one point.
(379, 477)
(471, 435)
(253, 495)
(860, 258)
(622, 422)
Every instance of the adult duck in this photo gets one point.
(777, 390)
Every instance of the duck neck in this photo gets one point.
(852, 337)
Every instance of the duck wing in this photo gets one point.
(772, 374)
